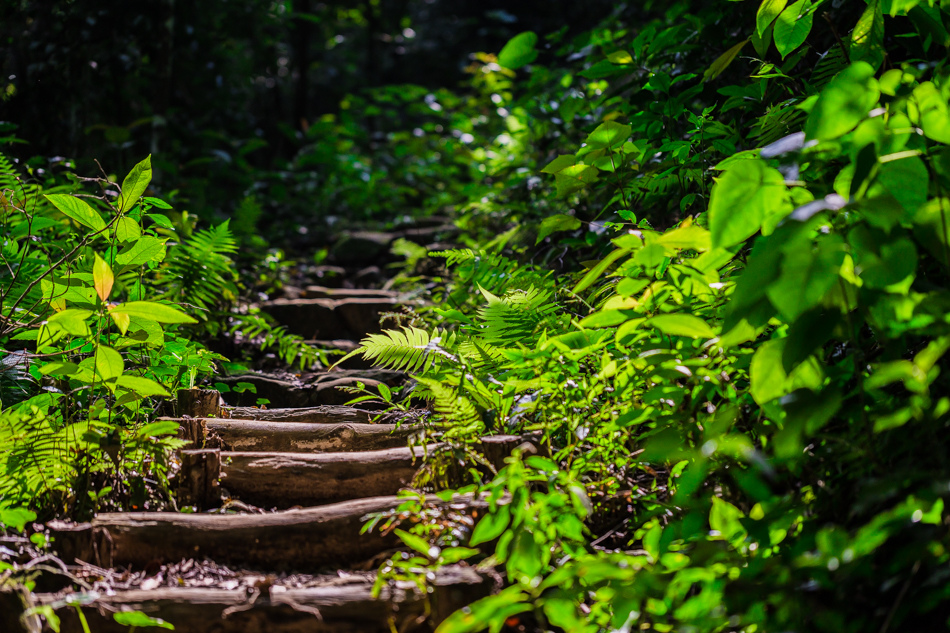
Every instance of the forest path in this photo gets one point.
(280, 494)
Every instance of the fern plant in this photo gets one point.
(291, 348)
(199, 271)
(410, 349)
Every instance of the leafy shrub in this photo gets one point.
(746, 376)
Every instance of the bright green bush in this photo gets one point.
(745, 383)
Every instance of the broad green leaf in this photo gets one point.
(137, 618)
(135, 184)
(559, 163)
(59, 368)
(157, 312)
(742, 198)
(102, 278)
(792, 27)
(620, 57)
(17, 518)
(724, 518)
(844, 103)
(806, 275)
(901, 7)
(145, 249)
(689, 236)
(455, 554)
(932, 228)
(77, 210)
(143, 387)
(682, 325)
(417, 543)
(572, 179)
(491, 525)
(906, 179)
(157, 202)
(122, 321)
(806, 412)
(761, 42)
(883, 260)
(161, 427)
(594, 273)
(127, 229)
(929, 109)
(526, 559)
(161, 220)
(767, 374)
(58, 294)
(609, 135)
(72, 321)
(867, 38)
(146, 330)
(558, 222)
(108, 363)
(722, 62)
(519, 51)
(765, 16)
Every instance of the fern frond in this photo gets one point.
(492, 272)
(199, 271)
(291, 348)
(516, 317)
(456, 411)
(410, 349)
(830, 64)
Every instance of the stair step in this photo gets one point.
(333, 604)
(306, 539)
(283, 480)
(323, 292)
(347, 318)
(322, 389)
(292, 437)
(327, 414)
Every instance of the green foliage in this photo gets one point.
(745, 374)
(200, 272)
(82, 282)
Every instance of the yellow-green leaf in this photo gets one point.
(723, 61)
(102, 278)
(109, 364)
(135, 184)
(682, 325)
(557, 222)
(121, 320)
(158, 312)
(77, 210)
(143, 387)
(72, 321)
(127, 229)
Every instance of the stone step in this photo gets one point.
(291, 437)
(338, 604)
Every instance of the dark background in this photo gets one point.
(207, 84)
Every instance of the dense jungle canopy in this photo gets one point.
(693, 256)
